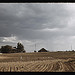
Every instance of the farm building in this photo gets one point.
(42, 50)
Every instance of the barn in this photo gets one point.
(42, 50)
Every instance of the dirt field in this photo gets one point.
(38, 62)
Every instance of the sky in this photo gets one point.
(48, 25)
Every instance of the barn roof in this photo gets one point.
(42, 50)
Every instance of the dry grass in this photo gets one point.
(38, 62)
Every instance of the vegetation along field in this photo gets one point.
(38, 62)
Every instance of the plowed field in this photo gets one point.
(38, 62)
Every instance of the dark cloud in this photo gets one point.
(40, 21)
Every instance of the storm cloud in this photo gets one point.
(48, 25)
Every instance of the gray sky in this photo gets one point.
(49, 25)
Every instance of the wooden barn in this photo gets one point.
(42, 50)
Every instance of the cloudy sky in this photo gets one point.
(48, 25)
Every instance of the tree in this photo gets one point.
(6, 49)
(34, 51)
(72, 50)
(20, 47)
(0, 50)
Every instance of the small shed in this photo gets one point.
(42, 50)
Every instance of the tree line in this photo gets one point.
(10, 49)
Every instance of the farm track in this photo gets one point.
(38, 66)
